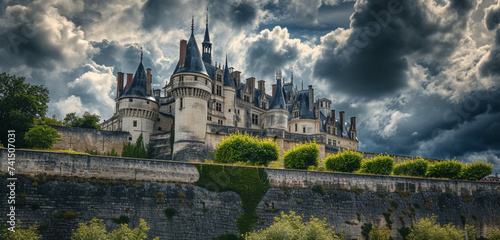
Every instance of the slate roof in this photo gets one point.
(278, 101)
(193, 62)
(137, 87)
(303, 101)
(227, 77)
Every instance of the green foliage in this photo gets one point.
(86, 121)
(381, 165)
(319, 189)
(380, 233)
(123, 219)
(494, 234)
(250, 183)
(429, 229)
(96, 229)
(347, 161)
(20, 233)
(301, 156)
(476, 170)
(69, 215)
(138, 150)
(227, 236)
(416, 167)
(48, 121)
(366, 229)
(170, 212)
(292, 227)
(41, 136)
(445, 169)
(21, 103)
(245, 148)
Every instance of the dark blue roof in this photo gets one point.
(227, 77)
(256, 97)
(323, 119)
(207, 36)
(287, 90)
(210, 70)
(138, 86)
(193, 62)
(278, 101)
(303, 99)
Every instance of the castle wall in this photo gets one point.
(350, 200)
(82, 139)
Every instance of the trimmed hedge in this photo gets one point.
(245, 148)
(381, 165)
(301, 156)
(446, 169)
(347, 161)
(476, 170)
(416, 167)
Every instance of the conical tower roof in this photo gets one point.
(227, 77)
(137, 88)
(278, 101)
(193, 62)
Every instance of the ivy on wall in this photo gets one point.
(251, 183)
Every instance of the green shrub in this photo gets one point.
(429, 229)
(381, 165)
(446, 169)
(170, 212)
(494, 234)
(417, 168)
(245, 148)
(347, 161)
(476, 170)
(122, 219)
(227, 236)
(301, 156)
(42, 136)
(319, 189)
(380, 233)
(69, 215)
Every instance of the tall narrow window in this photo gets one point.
(135, 123)
(295, 127)
(304, 130)
(181, 104)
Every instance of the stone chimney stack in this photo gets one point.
(311, 98)
(130, 76)
(251, 86)
(157, 93)
(353, 128)
(182, 53)
(333, 116)
(148, 81)
(119, 84)
(274, 89)
(262, 87)
(342, 120)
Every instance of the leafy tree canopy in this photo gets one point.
(20, 104)
(86, 121)
(42, 137)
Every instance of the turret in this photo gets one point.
(191, 88)
(229, 95)
(277, 115)
(138, 108)
(207, 45)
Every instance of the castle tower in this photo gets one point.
(207, 45)
(191, 87)
(324, 105)
(277, 115)
(137, 106)
(229, 95)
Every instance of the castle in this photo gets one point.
(202, 100)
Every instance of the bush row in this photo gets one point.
(252, 150)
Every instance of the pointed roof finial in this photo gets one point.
(141, 54)
(207, 17)
(302, 84)
(291, 75)
(226, 59)
(192, 25)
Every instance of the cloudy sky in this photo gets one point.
(421, 76)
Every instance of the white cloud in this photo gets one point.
(69, 105)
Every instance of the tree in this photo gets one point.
(302, 155)
(86, 121)
(48, 121)
(42, 137)
(245, 148)
(20, 233)
(292, 227)
(96, 229)
(20, 104)
(380, 233)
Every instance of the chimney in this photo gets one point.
(274, 89)
(148, 81)
(342, 121)
(251, 85)
(333, 116)
(182, 53)
(236, 76)
(311, 98)
(353, 123)
(119, 85)
(262, 87)
(130, 76)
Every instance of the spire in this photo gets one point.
(192, 25)
(291, 75)
(141, 54)
(227, 76)
(207, 45)
(278, 101)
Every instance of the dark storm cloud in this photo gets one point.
(234, 14)
(373, 62)
(243, 14)
(491, 66)
(164, 14)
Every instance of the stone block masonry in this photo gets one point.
(148, 187)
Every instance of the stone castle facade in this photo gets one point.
(202, 101)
